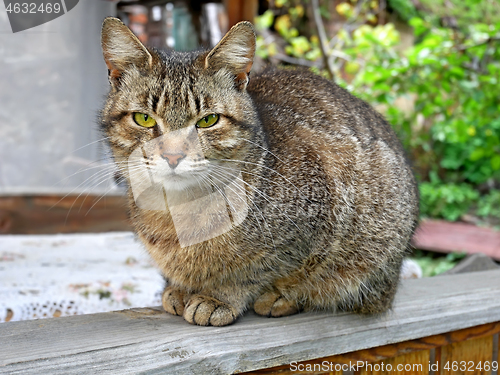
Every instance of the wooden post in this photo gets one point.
(241, 10)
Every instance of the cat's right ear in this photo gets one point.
(235, 52)
(122, 49)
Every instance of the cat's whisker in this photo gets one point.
(262, 178)
(267, 168)
(263, 195)
(244, 200)
(102, 175)
(110, 167)
(221, 192)
(89, 144)
(82, 184)
(256, 210)
(89, 167)
(98, 200)
(263, 148)
(102, 178)
(221, 173)
(206, 180)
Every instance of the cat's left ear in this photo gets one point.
(235, 52)
(122, 49)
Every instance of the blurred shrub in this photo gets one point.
(434, 264)
(455, 125)
(489, 205)
(446, 201)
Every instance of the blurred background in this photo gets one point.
(431, 67)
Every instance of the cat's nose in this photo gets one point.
(173, 160)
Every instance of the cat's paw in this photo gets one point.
(273, 304)
(173, 300)
(205, 311)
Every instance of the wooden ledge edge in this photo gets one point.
(150, 341)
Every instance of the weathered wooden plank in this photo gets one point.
(150, 341)
(496, 353)
(467, 357)
(445, 237)
(47, 214)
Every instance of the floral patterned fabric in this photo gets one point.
(61, 275)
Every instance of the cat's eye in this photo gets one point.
(144, 120)
(208, 121)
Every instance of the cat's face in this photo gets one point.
(181, 119)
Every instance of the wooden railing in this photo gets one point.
(436, 323)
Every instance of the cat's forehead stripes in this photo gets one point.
(179, 96)
(177, 103)
(155, 92)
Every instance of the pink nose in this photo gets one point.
(173, 159)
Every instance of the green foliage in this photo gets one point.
(455, 124)
(489, 205)
(405, 8)
(448, 82)
(447, 201)
(433, 265)
(464, 12)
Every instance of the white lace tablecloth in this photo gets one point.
(45, 276)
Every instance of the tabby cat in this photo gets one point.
(282, 193)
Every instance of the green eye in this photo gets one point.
(208, 121)
(143, 119)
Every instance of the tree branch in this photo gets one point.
(320, 28)
(490, 39)
(295, 61)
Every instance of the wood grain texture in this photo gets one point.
(415, 363)
(47, 214)
(467, 356)
(497, 341)
(150, 341)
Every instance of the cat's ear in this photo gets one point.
(122, 49)
(235, 52)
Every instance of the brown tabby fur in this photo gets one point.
(332, 200)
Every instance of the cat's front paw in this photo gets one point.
(173, 300)
(205, 311)
(273, 304)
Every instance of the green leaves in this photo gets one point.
(440, 94)
(405, 8)
(495, 162)
(459, 98)
(265, 21)
(419, 25)
(446, 201)
(489, 205)
(434, 264)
